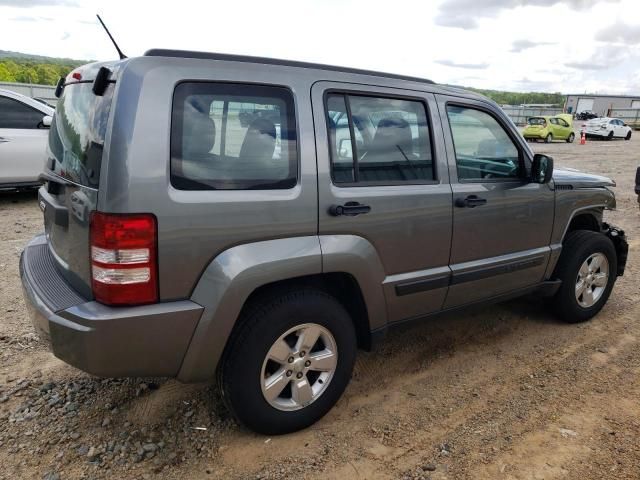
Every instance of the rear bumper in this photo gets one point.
(596, 133)
(538, 135)
(148, 340)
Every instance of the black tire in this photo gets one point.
(576, 249)
(261, 325)
(610, 136)
(548, 138)
(628, 137)
(571, 138)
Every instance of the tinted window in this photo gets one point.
(232, 137)
(15, 114)
(390, 138)
(483, 148)
(76, 138)
(562, 122)
(537, 121)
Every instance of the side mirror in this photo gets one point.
(542, 168)
(46, 121)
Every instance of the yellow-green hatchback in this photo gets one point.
(558, 127)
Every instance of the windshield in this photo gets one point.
(76, 137)
(537, 121)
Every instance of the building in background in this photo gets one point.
(600, 104)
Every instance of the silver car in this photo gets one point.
(24, 129)
(258, 221)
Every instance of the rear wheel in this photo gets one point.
(587, 269)
(289, 362)
(571, 138)
(548, 138)
(628, 137)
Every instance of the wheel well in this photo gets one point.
(584, 221)
(342, 286)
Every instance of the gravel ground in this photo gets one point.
(504, 392)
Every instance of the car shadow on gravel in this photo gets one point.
(8, 197)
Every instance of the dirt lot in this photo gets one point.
(505, 392)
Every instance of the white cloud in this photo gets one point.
(521, 45)
(509, 48)
(471, 66)
(602, 58)
(620, 32)
(465, 13)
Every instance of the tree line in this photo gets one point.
(29, 71)
(48, 72)
(520, 98)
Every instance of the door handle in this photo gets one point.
(471, 201)
(349, 209)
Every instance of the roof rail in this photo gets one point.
(159, 52)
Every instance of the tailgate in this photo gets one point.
(72, 174)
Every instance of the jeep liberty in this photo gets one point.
(257, 221)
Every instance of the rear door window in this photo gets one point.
(376, 140)
(15, 114)
(232, 137)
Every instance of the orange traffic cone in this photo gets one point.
(583, 138)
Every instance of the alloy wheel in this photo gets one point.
(299, 367)
(592, 280)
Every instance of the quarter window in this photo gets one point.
(378, 140)
(483, 148)
(232, 137)
(15, 114)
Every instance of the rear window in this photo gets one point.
(232, 137)
(76, 137)
(537, 121)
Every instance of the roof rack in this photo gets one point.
(159, 52)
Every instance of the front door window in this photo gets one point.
(483, 149)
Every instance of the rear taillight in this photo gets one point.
(123, 258)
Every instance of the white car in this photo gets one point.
(24, 129)
(608, 128)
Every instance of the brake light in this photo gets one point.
(124, 267)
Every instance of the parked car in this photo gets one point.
(547, 128)
(24, 124)
(607, 128)
(586, 115)
(208, 252)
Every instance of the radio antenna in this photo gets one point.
(122, 55)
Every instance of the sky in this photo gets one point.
(570, 46)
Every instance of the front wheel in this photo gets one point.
(587, 269)
(571, 138)
(628, 137)
(289, 362)
(610, 136)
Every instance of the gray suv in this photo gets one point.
(258, 221)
